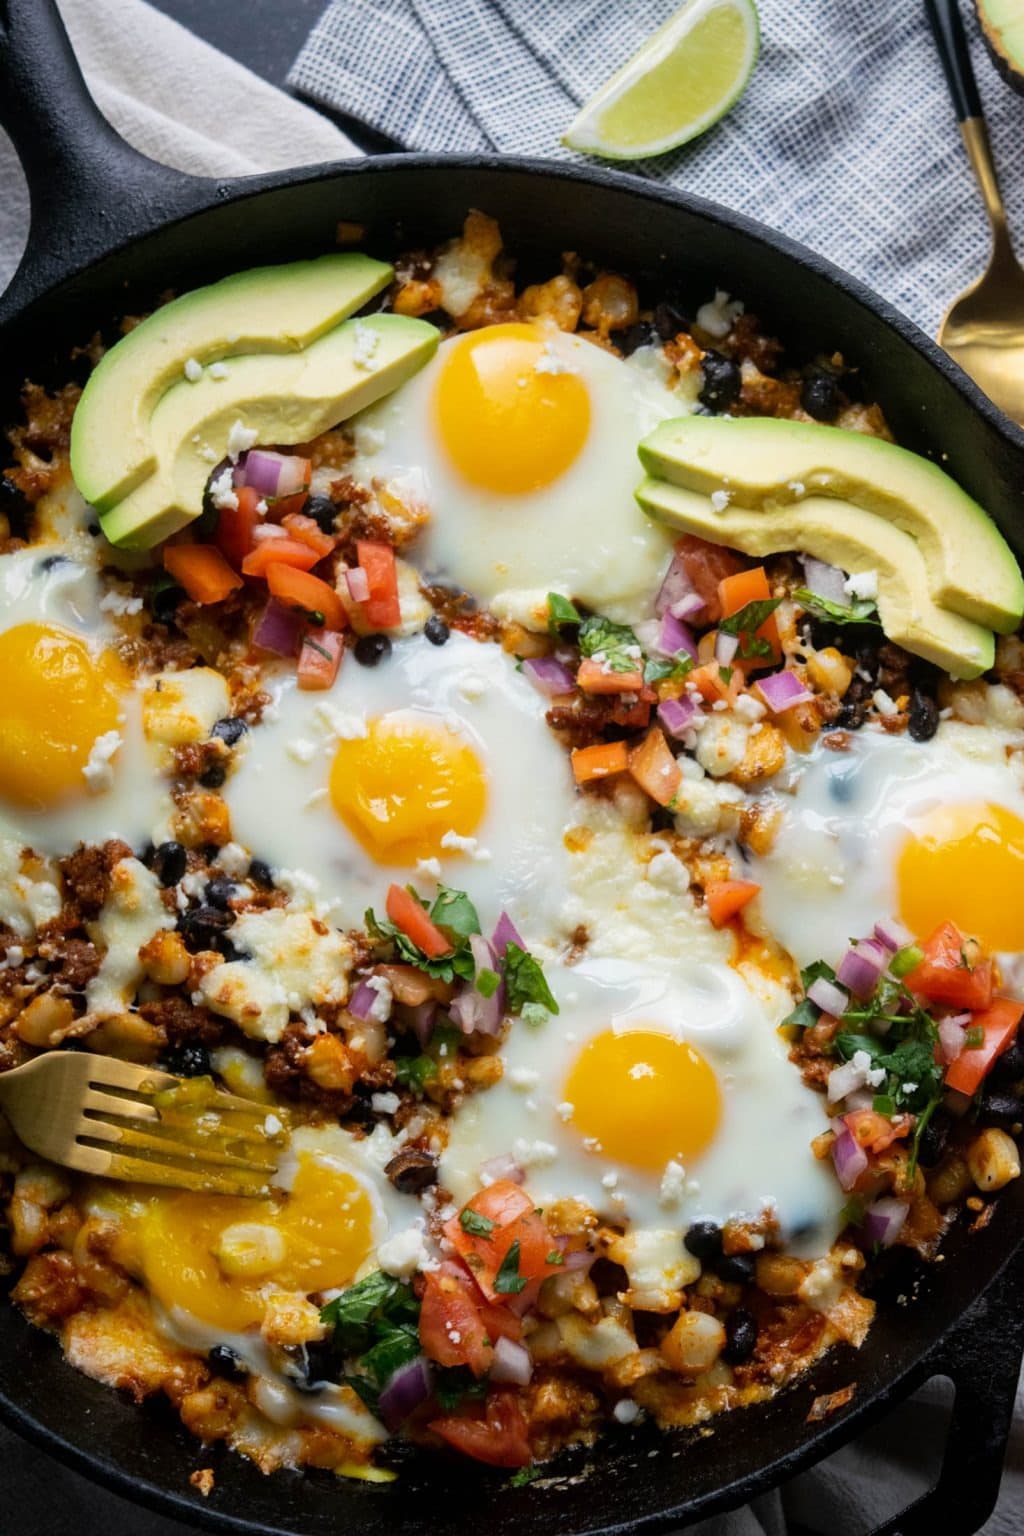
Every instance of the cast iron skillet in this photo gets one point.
(110, 230)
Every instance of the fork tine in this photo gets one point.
(111, 1072)
(125, 1137)
(144, 1170)
(111, 1104)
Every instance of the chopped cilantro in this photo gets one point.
(661, 667)
(860, 611)
(615, 643)
(974, 1037)
(452, 1386)
(883, 1104)
(452, 912)
(561, 611)
(370, 1311)
(803, 1015)
(556, 1256)
(524, 1476)
(525, 981)
(415, 1072)
(852, 1213)
(746, 622)
(475, 1224)
(487, 982)
(725, 675)
(508, 1281)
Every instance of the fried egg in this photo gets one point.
(923, 832)
(659, 1095)
(521, 441)
(74, 764)
(436, 764)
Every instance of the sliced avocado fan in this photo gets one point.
(847, 536)
(763, 463)
(265, 309)
(275, 398)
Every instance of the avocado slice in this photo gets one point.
(847, 536)
(281, 397)
(764, 462)
(266, 309)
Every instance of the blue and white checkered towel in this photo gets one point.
(844, 138)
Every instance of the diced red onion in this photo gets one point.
(825, 995)
(687, 607)
(549, 676)
(674, 588)
(850, 1159)
(826, 581)
(578, 1259)
(360, 1004)
(511, 1363)
(782, 690)
(892, 935)
(273, 474)
(506, 933)
(844, 1079)
(473, 1012)
(423, 1017)
(358, 584)
(860, 1098)
(404, 1392)
(679, 715)
(726, 647)
(504, 1166)
(861, 967)
(951, 1036)
(883, 1221)
(278, 629)
(674, 636)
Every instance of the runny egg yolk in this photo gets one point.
(406, 783)
(644, 1097)
(59, 697)
(214, 1255)
(509, 420)
(963, 864)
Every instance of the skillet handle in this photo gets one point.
(90, 191)
(982, 1358)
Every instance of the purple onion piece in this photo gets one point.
(826, 581)
(674, 588)
(892, 935)
(511, 1363)
(404, 1392)
(675, 636)
(423, 1017)
(358, 584)
(504, 1166)
(360, 1004)
(505, 933)
(274, 474)
(850, 1159)
(951, 1037)
(825, 995)
(844, 1080)
(883, 1221)
(549, 676)
(782, 690)
(861, 967)
(687, 607)
(679, 715)
(278, 629)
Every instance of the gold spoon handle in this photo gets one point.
(948, 29)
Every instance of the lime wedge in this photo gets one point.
(682, 80)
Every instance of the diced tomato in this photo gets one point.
(711, 685)
(633, 716)
(944, 975)
(875, 1132)
(508, 1213)
(284, 506)
(406, 913)
(706, 565)
(724, 898)
(282, 551)
(235, 526)
(306, 530)
(734, 593)
(654, 768)
(999, 1023)
(600, 761)
(593, 678)
(319, 659)
(303, 590)
(202, 570)
(378, 561)
(495, 1434)
(457, 1325)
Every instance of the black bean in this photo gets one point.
(323, 512)
(923, 716)
(934, 1137)
(226, 1362)
(640, 334)
(187, 1060)
(819, 395)
(722, 382)
(314, 1365)
(704, 1241)
(371, 649)
(736, 1266)
(165, 603)
(203, 928)
(668, 321)
(740, 1337)
(214, 776)
(436, 630)
(412, 1171)
(998, 1107)
(168, 863)
(230, 730)
(1009, 1067)
(219, 891)
(260, 874)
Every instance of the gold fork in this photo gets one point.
(104, 1116)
